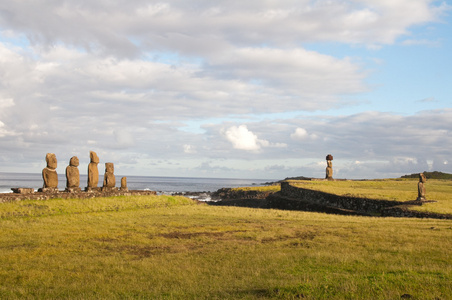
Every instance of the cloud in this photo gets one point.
(123, 139)
(409, 42)
(306, 72)
(129, 29)
(189, 149)
(243, 139)
(427, 100)
(125, 79)
(301, 134)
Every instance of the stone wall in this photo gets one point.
(229, 193)
(296, 198)
(292, 197)
(344, 202)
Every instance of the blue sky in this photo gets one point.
(228, 89)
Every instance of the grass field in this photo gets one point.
(162, 247)
(389, 189)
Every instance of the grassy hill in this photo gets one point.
(431, 175)
(439, 191)
(161, 247)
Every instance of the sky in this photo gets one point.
(228, 89)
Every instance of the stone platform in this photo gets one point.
(25, 194)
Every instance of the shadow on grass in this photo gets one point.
(301, 206)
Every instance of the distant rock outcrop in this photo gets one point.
(430, 175)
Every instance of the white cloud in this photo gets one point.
(243, 139)
(124, 77)
(301, 134)
(5, 103)
(128, 29)
(189, 149)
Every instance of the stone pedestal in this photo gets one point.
(51, 190)
(106, 189)
(23, 190)
(73, 190)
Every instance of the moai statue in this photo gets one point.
(124, 187)
(109, 176)
(73, 176)
(93, 172)
(49, 175)
(329, 168)
(421, 187)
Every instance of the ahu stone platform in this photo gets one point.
(29, 194)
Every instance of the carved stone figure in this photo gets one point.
(421, 187)
(93, 171)
(329, 168)
(49, 174)
(124, 184)
(73, 176)
(109, 177)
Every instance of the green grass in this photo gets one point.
(389, 189)
(161, 247)
(265, 188)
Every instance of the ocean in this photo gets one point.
(163, 185)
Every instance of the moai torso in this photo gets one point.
(109, 177)
(49, 174)
(124, 184)
(329, 168)
(73, 174)
(93, 171)
(421, 187)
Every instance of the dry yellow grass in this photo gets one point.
(389, 189)
(160, 247)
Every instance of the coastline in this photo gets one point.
(162, 185)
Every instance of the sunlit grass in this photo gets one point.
(389, 189)
(161, 247)
(265, 188)
(33, 208)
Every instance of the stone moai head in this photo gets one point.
(109, 168)
(73, 162)
(422, 178)
(51, 161)
(329, 157)
(93, 157)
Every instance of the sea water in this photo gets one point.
(163, 185)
